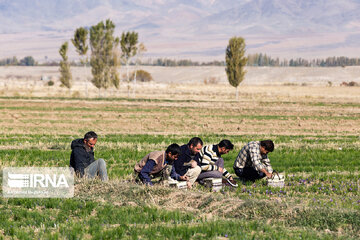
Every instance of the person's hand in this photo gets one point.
(193, 164)
(221, 169)
(269, 175)
(189, 186)
(184, 178)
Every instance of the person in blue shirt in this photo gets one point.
(159, 164)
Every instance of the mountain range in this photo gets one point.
(196, 29)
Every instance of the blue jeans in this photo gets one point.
(97, 168)
(248, 173)
(213, 174)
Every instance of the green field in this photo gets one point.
(317, 147)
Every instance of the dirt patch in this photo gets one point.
(249, 116)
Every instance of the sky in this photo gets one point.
(197, 29)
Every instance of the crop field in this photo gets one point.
(316, 131)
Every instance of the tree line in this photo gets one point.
(26, 61)
(166, 62)
(260, 59)
(257, 59)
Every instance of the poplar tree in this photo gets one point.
(141, 49)
(104, 59)
(80, 42)
(128, 44)
(65, 74)
(235, 62)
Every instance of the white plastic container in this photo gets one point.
(278, 180)
(215, 184)
(178, 184)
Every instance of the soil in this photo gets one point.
(250, 115)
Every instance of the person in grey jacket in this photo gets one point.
(159, 164)
(82, 158)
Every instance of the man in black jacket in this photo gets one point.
(82, 158)
(187, 163)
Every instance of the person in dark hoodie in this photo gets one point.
(82, 158)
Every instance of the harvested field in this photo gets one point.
(315, 129)
(273, 112)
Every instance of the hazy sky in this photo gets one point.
(197, 29)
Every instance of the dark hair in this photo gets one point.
(90, 135)
(195, 141)
(227, 144)
(268, 145)
(173, 149)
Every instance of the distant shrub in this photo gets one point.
(50, 83)
(290, 84)
(349, 84)
(75, 94)
(27, 61)
(353, 84)
(211, 80)
(141, 75)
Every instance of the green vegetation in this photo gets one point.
(129, 48)
(235, 62)
(104, 59)
(141, 76)
(323, 181)
(260, 59)
(320, 200)
(256, 59)
(26, 61)
(65, 73)
(80, 43)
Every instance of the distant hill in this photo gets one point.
(189, 29)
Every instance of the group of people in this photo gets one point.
(191, 162)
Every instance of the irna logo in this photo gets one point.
(35, 182)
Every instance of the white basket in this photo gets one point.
(215, 184)
(278, 180)
(178, 184)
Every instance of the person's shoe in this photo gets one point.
(231, 182)
(171, 181)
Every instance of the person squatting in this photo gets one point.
(192, 162)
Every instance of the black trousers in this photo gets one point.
(248, 173)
